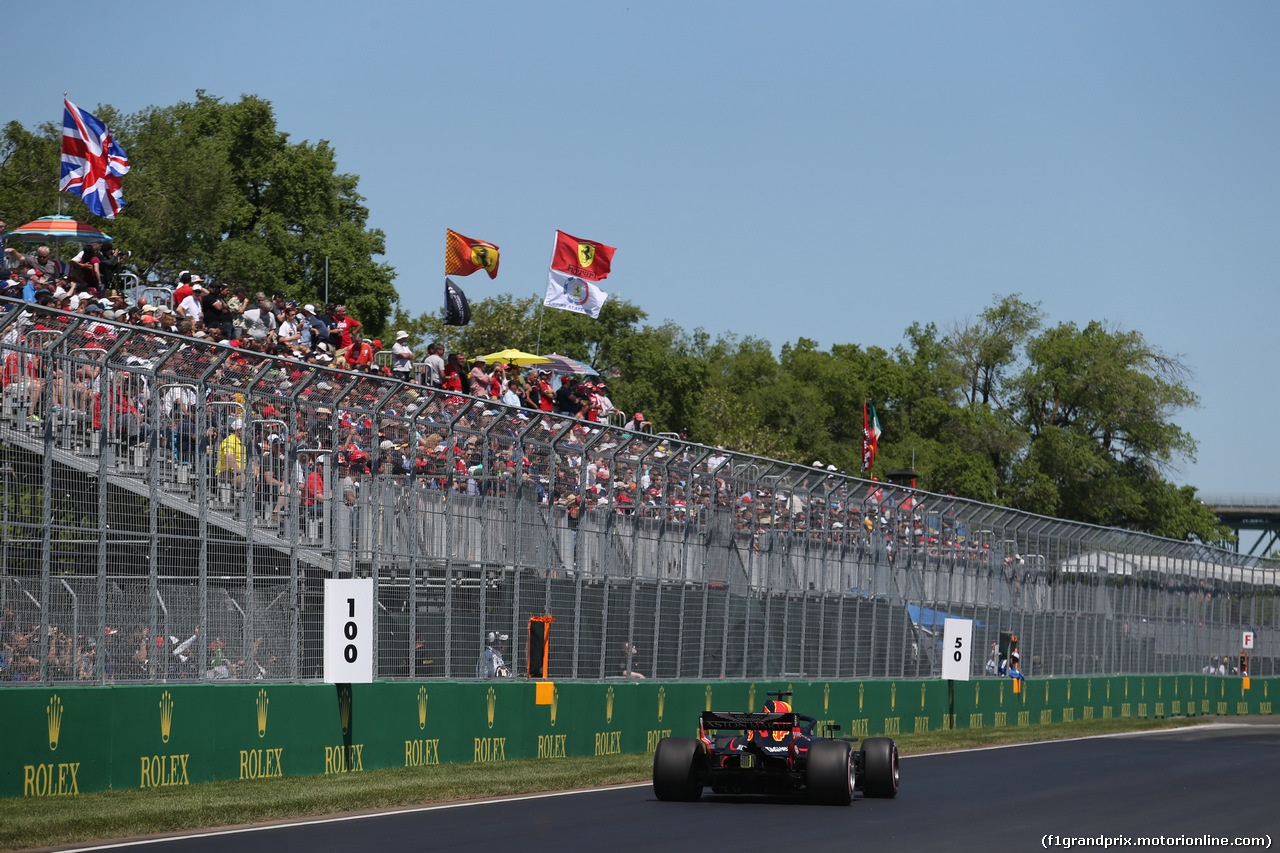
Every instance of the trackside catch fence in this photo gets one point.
(170, 508)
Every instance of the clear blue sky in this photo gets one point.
(836, 171)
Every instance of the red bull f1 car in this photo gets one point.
(776, 751)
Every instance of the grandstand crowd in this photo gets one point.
(393, 414)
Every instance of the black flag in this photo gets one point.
(456, 310)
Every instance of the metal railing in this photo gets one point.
(169, 509)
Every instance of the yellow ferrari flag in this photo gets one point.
(463, 256)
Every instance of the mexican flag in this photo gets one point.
(870, 435)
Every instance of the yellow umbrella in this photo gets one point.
(514, 356)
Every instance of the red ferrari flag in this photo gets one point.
(463, 256)
(584, 258)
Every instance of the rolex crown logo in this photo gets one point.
(608, 706)
(751, 697)
(491, 702)
(862, 688)
(708, 697)
(54, 713)
(262, 712)
(422, 707)
(826, 698)
(922, 695)
(1046, 692)
(344, 707)
(662, 700)
(555, 703)
(893, 696)
(166, 716)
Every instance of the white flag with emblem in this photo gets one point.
(573, 294)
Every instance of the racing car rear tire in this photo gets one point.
(880, 767)
(829, 776)
(675, 770)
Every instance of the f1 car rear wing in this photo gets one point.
(746, 721)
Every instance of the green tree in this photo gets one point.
(985, 350)
(1097, 406)
(216, 187)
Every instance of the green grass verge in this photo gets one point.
(115, 814)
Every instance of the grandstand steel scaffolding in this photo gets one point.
(170, 508)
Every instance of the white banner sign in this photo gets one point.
(348, 631)
(1247, 641)
(957, 641)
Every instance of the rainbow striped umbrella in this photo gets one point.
(557, 363)
(58, 229)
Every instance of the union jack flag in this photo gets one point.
(92, 162)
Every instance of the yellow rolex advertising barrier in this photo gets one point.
(67, 741)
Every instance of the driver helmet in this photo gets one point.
(777, 706)
(494, 638)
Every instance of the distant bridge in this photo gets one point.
(1257, 513)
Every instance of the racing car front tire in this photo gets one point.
(675, 770)
(829, 777)
(880, 767)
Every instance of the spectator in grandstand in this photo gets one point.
(546, 397)
(402, 357)
(530, 397)
(86, 659)
(572, 504)
(88, 262)
(4, 255)
(216, 315)
(40, 261)
(567, 397)
(237, 302)
(602, 398)
(514, 394)
(1014, 669)
(435, 365)
(34, 285)
(629, 654)
(111, 266)
(313, 493)
(257, 662)
(319, 329)
(290, 332)
(183, 290)
(191, 307)
(341, 328)
(479, 379)
(993, 661)
(180, 652)
(491, 664)
(259, 322)
(232, 459)
(588, 409)
(359, 355)
(219, 666)
(497, 382)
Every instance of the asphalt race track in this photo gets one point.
(1219, 780)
